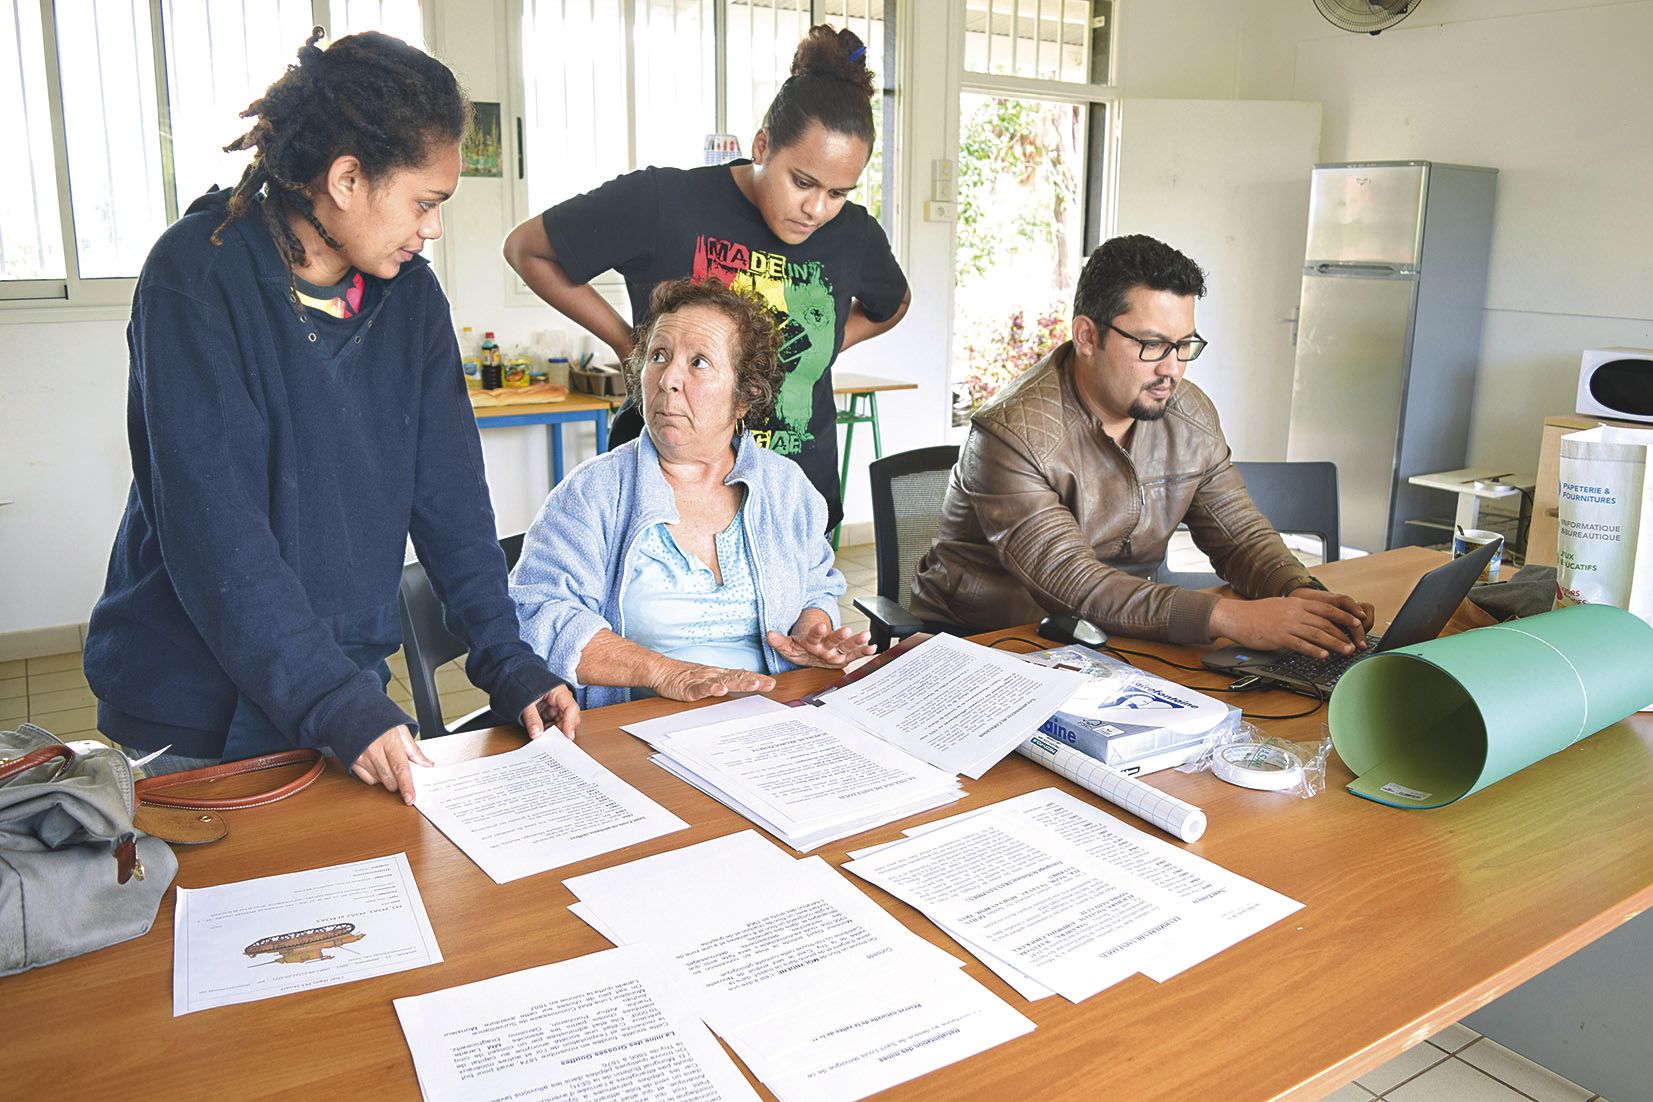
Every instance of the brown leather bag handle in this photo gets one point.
(11, 767)
(151, 790)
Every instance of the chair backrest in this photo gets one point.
(428, 644)
(1299, 499)
(907, 490)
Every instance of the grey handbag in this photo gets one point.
(75, 875)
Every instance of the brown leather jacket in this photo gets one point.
(1045, 513)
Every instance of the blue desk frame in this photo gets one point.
(553, 420)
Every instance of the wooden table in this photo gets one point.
(553, 415)
(1411, 920)
(862, 392)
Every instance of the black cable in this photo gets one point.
(1523, 522)
(1019, 639)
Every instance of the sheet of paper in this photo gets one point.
(850, 1046)
(609, 1025)
(819, 990)
(1037, 902)
(804, 840)
(539, 807)
(1231, 907)
(257, 939)
(956, 704)
(741, 707)
(753, 935)
(808, 772)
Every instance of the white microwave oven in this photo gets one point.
(1616, 383)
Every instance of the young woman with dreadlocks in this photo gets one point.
(296, 410)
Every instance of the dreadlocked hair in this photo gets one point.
(368, 95)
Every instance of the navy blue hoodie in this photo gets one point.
(252, 590)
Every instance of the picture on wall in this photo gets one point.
(482, 143)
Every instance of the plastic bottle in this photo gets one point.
(470, 356)
(493, 364)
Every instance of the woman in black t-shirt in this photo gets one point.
(780, 224)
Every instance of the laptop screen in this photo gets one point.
(1434, 599)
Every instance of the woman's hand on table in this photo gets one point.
(688, 681)
(388, 761)
(822, 645)
(555, 710)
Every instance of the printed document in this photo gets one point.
(956, 704)
(855, 1044)
(1039, 903)
(805, 774)
(818, 989)
(542, 806)
(257, 939)
(1230, 907)
(609, 1025)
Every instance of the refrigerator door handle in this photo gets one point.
(1357, 269)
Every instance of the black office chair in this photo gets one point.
(1298, 499)
(907, 490)
(428, 644)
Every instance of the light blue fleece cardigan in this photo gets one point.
(578, 553)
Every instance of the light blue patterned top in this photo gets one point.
(673, 605)
(577, 557)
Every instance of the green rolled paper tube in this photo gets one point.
(1425, 725)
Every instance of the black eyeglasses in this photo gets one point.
(1154, 350)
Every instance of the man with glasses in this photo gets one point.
(1073, 478)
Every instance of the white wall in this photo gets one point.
(63, 462)
(1555, 94)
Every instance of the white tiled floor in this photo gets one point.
(1459, 1065)
(1456, 1065)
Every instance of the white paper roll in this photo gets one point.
(1178, 819)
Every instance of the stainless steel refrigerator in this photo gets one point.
(1389, 336)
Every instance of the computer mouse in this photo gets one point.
(1068, 628)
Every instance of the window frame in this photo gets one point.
(611, 285)
(1101, 156)
(111, 296)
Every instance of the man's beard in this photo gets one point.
(1141, 411)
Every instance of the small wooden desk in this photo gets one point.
(1411, 919)
(553, 415)
(862, 391)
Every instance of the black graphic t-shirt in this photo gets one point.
(667, 223)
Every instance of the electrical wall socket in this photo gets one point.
(944, 190)
(943, 169)
(936, 211)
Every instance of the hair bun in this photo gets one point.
(837, 55)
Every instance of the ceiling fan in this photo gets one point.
(1370, 16)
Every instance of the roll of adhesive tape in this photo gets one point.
(1254, 765)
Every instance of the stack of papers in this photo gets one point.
(804, 775)
(889, 742)
(817, 989)
(1058, 896)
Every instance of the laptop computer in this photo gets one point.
(1427, 609)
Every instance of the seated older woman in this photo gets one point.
(688, 562)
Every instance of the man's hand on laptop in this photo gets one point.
(1309, 621)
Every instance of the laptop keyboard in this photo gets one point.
(1316, 671)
